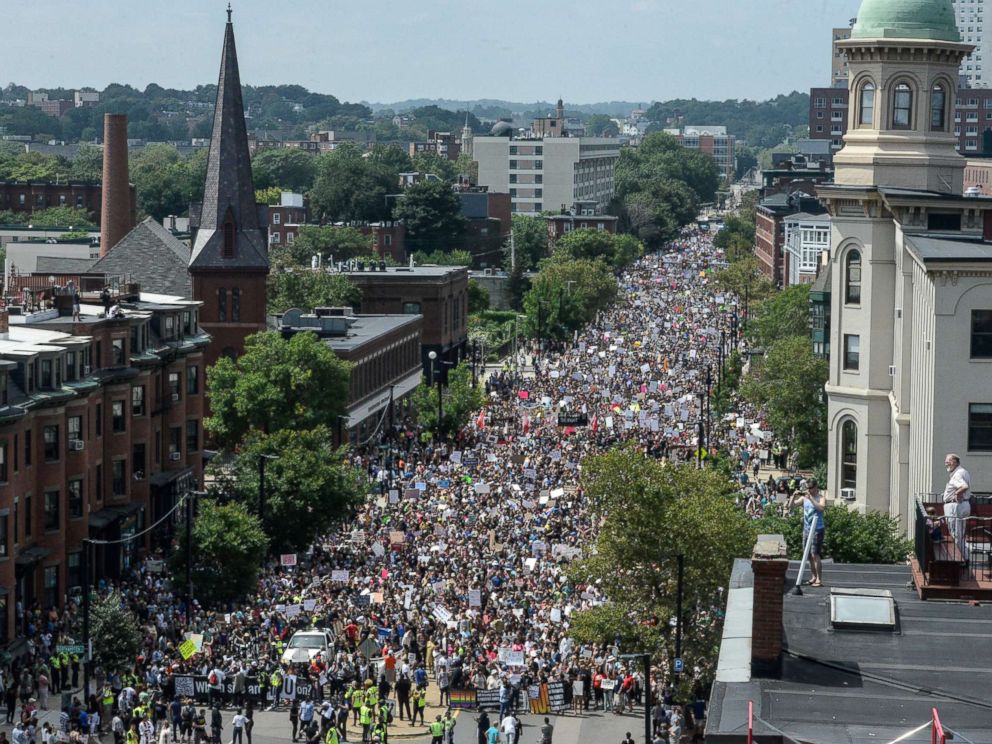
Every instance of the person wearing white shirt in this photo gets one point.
(238, 724)
(957, 501)
(509, 728)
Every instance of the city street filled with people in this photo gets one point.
(452, 575)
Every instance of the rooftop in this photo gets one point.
(846, 685)
(906, 19)
(937, 249)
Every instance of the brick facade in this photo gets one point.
(768, 564)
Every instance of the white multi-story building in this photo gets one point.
(807, 238)
(911, 270)
(969, 16)
(548, 174)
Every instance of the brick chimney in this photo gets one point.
(768, 564)
(115, 214)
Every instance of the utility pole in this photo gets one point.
(189, 557)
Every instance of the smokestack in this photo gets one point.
(768, 564)
(115, 215)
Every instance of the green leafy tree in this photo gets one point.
(327, 241)
(440, 166)
(660, 156)
(566, 294)
(648, 514)
(283, 167)
(228, 546)
(349, 187)
(601, 125)
(294, 384)
(307, 289)
(270, 195)
(62, 217)
(788, 384)
(165, 181)
(782, 315)
(461, 401)
(478, 297)
(391, 157)
(87, 165)
(443, 258)
(308, 488)
(745, 278)
(736, 238)
(530, 242)
(657, 213)
(432, 214)
(115, 633)
(850, 536)
(619, 251)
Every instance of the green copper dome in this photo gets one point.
(906, 19)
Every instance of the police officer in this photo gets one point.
(437, 730)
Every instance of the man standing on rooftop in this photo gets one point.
(957, 501)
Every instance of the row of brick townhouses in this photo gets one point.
(100, 435)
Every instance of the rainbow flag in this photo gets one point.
(463, 699)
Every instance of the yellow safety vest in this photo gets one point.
(365, 716)
(437, 728)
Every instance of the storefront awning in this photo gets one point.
(99, 520)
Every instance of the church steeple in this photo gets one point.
(229, 235)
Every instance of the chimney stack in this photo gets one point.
(115, 215)
(768, 564)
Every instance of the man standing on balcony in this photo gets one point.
(957, 501)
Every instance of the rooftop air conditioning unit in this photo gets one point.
(138, 475)
(76, 445)
(847, 494)
(175, 456)
(86, 369)
(175, 397)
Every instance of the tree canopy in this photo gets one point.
(530, 242)
(648, 514)
(619, 251)
(566, 294)
(349, 187)
(431, 212)
(114, 632)
(286, 168)
(308, 288)
(296, 384)
(461, 400)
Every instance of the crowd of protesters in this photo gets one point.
(454, 569)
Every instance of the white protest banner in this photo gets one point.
(309, 605)
(394, 496)
(555, 615)
(293, 610)
(287, 559)
(515, 658)
(442, 614)
(340, 575)
(474, 598)
(378, 549)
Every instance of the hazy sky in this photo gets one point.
(388, 50)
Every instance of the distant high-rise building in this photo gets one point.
(838, 60)
(969, 18)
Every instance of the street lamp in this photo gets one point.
(436, 371)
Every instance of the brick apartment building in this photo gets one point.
(438, 293)
(23, 197)
(100, 434)
(769, 230)
(828, 115)
(443, 144)
(384, 351)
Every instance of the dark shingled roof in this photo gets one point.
(63, 265)
(152, 256)
(229, 195)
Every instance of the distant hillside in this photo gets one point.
(492, 108)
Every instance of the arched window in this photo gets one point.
(849, 455)
(236, 305)
(852, 278)
(222, 305)
(902, 107)
(867, 105)
(938, 107)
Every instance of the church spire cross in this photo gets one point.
(228, 12)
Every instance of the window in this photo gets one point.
(222, 305)
(120, 483)
(99, 419)
(192, 435)
(867, 107)
(117, 349)
(75, 495)
(74, 428)
(174, 385)
(902, 107)
(849, 455)
(938, 108)
(3, 460)
(73, 570)
(192, 380)
(4, 526)
(138, 460)
(852, 276)
(175, 439)
(138, 400)
(46, 374)
(98, 482)
(411, 308)
(28, 526)
(51, 510)
(980, 427)
(236, 305)
(51, 442)
(51, 586)
(981, 334)
(852, 352)
(27, 448)
(276, 217)
(118, 422)
(71, 371)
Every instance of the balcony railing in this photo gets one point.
(952, 550)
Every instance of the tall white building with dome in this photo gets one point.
(911, 269)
